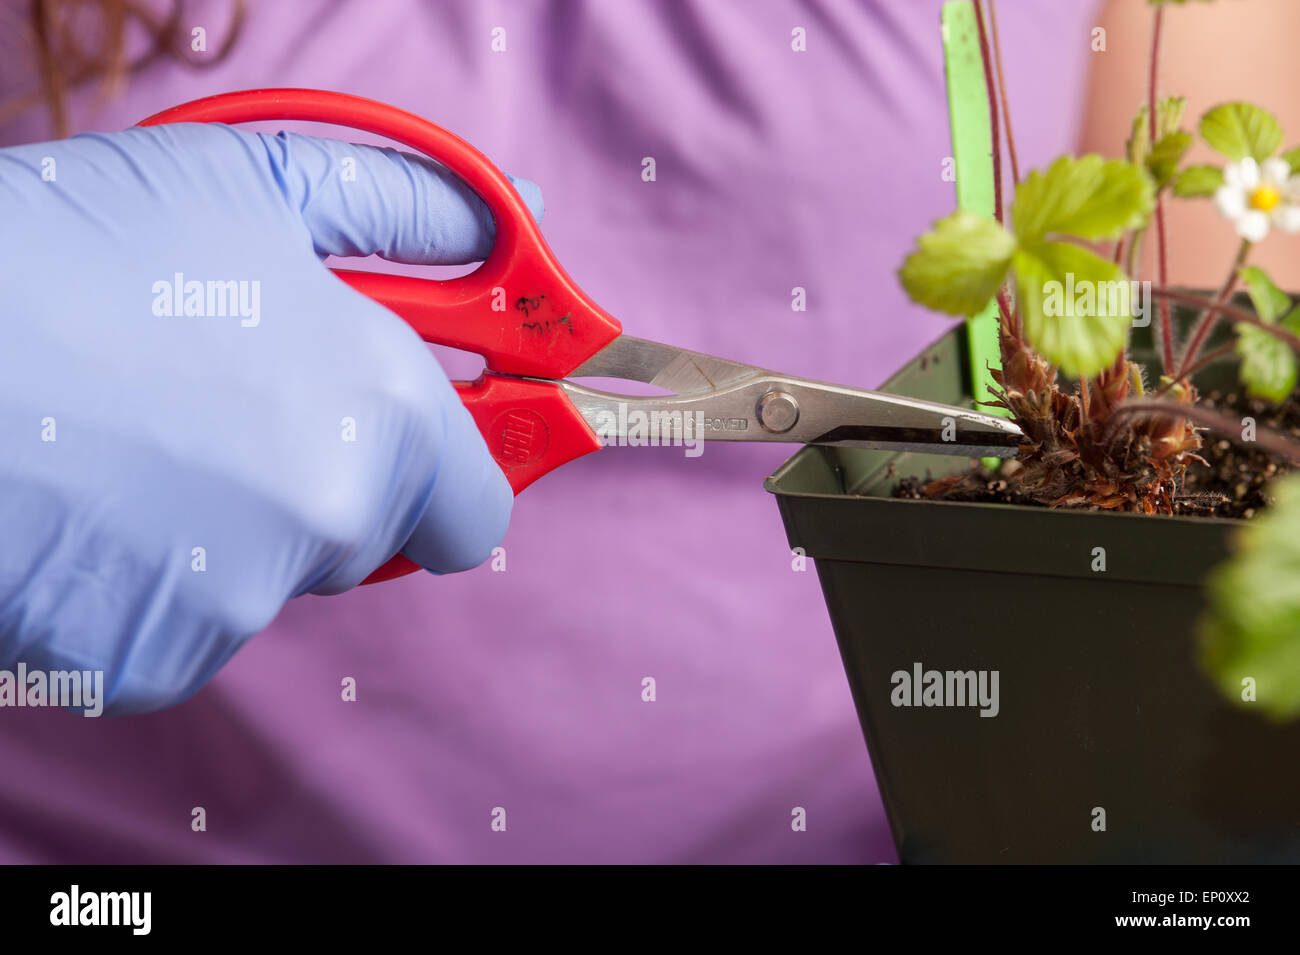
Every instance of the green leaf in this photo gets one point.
(1270, 301)
(1088, 197)
(1268, 364)
(959, 264)
(1292, 158)
(1252, 628)
(1167, 154)
(1169, 113)
(1077, 306)
(1238, 130)
(1198, 181)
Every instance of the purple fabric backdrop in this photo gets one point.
(522, 689)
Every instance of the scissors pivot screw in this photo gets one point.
(777, 412)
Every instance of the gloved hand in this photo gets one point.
(172, 471)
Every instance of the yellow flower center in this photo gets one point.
(1264, 198)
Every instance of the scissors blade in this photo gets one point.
(720, 400)
(678, 370)
(872, 419)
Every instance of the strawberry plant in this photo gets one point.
(1103, 431)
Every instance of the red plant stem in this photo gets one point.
(1162, 263)
(1009, 315)
(1228, 311)
(1230, 428)
(1002, 91)
(993, 112)
(1162, 275)
(1227, 348)
(1208, 319)
(1004, 302)
(1151, 80)
(1099, 399)
(1119, 368)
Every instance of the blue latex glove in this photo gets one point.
(298, 443)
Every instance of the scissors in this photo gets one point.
(537, 330)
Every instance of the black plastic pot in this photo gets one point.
(1100, 703)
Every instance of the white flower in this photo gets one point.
(1257, 195)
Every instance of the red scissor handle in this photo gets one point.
(519, 309)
